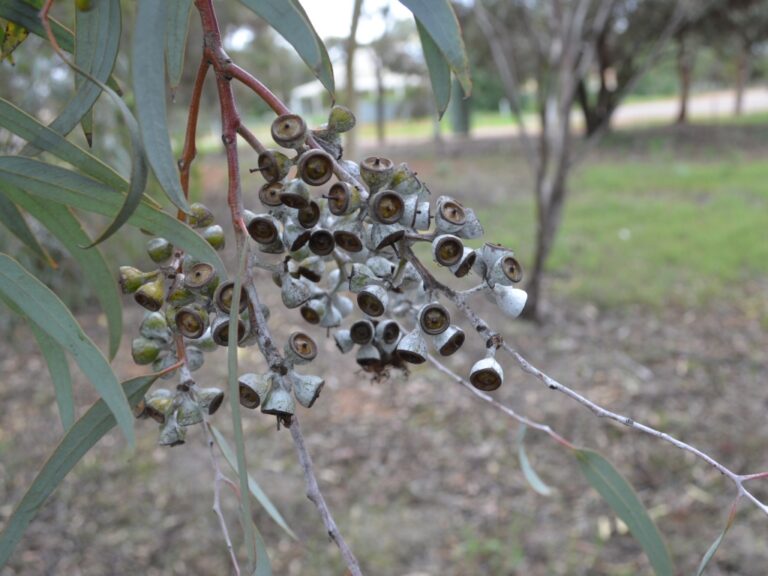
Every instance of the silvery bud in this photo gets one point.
(462, 267)
(294, 292)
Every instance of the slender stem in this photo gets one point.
(316, 496)
(190, 137)
(250, 138)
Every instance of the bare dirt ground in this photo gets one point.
(423, 479)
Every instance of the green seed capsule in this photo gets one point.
(289, 131)
(145, 351)
(151, 294)
(201, 278)
(341, 119)
(159, 249)
(192, 321)
(215, 236)
(131, 279)
(200, 216)
(274, 165)
(316, 167)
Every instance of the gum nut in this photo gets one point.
(449, 342)
(306, 388)
(510, 300)
(131, 279)
(351, 167)
(222, 298)
(191, 321)
(172, 433)
(151, 294)
(344, 305)
(348, 240)
(449, 215)
(154, 326)
(376, 172)
(316, 167)
(313, 310)
(412, 348)
(201, 278)
(289, 131)
(188, 412)
(195, 358)
(269, 194)
(380, 266)
(200, 216)
(472, 227)
(386, 206)
(341, 119)
(404, 181)
(506, 270)
(423, 216)
(205, 342)
(464, 265)
(220, 330)
(362, 332)
(312, 268)
(210, 399)
(159, 249)
(372, 300)
(387, 332)
(340, 199)
(382, 235)
(179, 294)
(300, 348)
(294, 292)
(368, 355)
(144, 350)
(434, 318)
(309, 216)
(447, 249)
(214, 235)
(263, 228)
(158, 404)
(253, 389)
(331, 318)
(280, 403)
(360, 277)
(273, 165)
(333, 278)
(343, 341)
(295, 237)
(486, 375)
(295, 194)
(321, 242)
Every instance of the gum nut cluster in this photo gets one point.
(343, 232)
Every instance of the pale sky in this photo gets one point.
(333, 17)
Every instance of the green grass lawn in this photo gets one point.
(654, 231)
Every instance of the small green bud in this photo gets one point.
(144, 350)
(215, 236)
(154, 326)
(159, 249)
(131, 279)
(200, 216)
(341, 119)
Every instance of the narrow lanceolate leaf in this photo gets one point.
(149, 91)
(61, 223)
(253, 486)
(97, 40)
(439, 70)
(719, 540)
(80, 438)
(57, 184)
(12, 218)
(58, 367)
(439, 20)
(45, 309)
(530, 474)
(176, 28)
(289, 20)
(620, 496)
(263, 564)
(15, 120)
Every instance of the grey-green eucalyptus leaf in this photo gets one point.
(439, 70)
(176, 29)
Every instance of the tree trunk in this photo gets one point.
(743, 66)
(684, 72)
(379, 103)
(350, 143)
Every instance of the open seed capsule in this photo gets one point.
(382, 235)
(191, 321)
(294, 235)
(294, 292)
(151, 294)
(464, 265)
(447, 249)
(434, 318)
(270, 193)
(316, 167)
(273, 165)
(223, 297)
(263, 228)
(368, 356)
(200, 216)
(314, 310)
(210, 399)
(412, 348)
(486, 374)
(387, 335)
(188, 412)
(220, 331)
(372, 300)
(506, 270)
(472, 227)
(362, 332)
(449, 342)
(300, 348)
(321, 242)
(131, 279)
(450, 215)
(306, 388)
(343, 198)
(295, 194)
(253, 389)
(312, 268)
(376, 172)
(158, 404)
(201, 278)
(172, 433)
(309, 215)
(386, 206)
(280, 403)
(343, 341)
(347, 237)
(289, 131)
